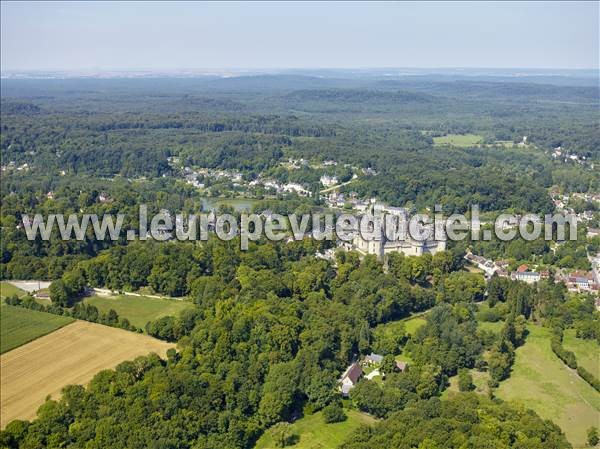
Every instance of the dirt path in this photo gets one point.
(107, 292)
(30, 286)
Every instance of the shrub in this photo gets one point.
(592, 436)
(465, 380)
(589, 377)
(334, 413)
(282, 434)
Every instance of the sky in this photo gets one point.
(172, 36)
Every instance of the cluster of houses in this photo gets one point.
(488, 266)
(340, 200)
(236, 178)
(355, 372)
(561, 203)
(295, 164)
(559, 154)
(13, 166)
(580, 281)
(277, 187)
(191, 176)
(102, 197)
(577, 281)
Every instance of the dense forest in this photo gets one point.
(105, 128)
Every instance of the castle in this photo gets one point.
(381, 245)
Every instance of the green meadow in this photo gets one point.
(587, 352)
(7, 290)
(313, 433)
(458, 140)
(490, 326)
(19, 325)
(480, 382)
(540, 381)
(138, 309)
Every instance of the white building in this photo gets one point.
(350, 378)
(328, 181)
(297, 188)
(488, 266)
(530, 277)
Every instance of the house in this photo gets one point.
(373, 359)
(593, 232)
(328, 181)
(580, 281)
(360, 207)
(296, 188)
(530, 277)
(350, 378)
(488, 266)
(522, 268)
(583, 283)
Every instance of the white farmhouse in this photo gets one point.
(350, 378)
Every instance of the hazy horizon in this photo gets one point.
(260, 36)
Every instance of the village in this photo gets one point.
(577, 281)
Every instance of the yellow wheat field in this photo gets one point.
(70, 355)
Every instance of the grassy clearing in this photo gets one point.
(404, 326)
(540, 381)
(412, 324)
(480, 381)
(489, 326)
(390, 329)
(7, 290)
(587, 352)
(314, 433)
(138, 309)
(504, 143)
(401, 327)
(19, 325)
(458, 140)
